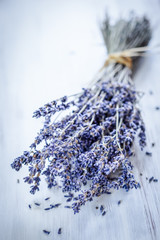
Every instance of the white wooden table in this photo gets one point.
(49, 49)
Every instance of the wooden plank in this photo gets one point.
(50, 49)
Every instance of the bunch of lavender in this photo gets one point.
(89, 150)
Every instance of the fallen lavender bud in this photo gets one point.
(37, 204)
(104, 213)
(151, 179)
(155, 180)
(55, 205)
(149, 154)
(29, 206)
(101, 208)
(46, 209)
(69, 195)
(46, 232)
(119, 202)
(59, 230)
(46, 199)
(69, 199)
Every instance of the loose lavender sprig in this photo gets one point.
(94, 142)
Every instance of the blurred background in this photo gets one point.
(51, 48)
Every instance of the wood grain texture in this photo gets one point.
(49, 49)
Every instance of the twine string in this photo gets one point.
(125, 57)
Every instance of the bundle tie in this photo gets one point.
(125, 57)
(114, 58)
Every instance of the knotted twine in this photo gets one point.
(125, 57)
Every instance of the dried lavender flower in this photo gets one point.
(46, 209)
(149, 154)
(93, 143)
(101, 208)
(46, 232)
(55, 205)
(46, 199)
(67, 207)
(155, 180)
(104, 213)
(37, 204)
(153, 144)
(151, 179)
(59, 230)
